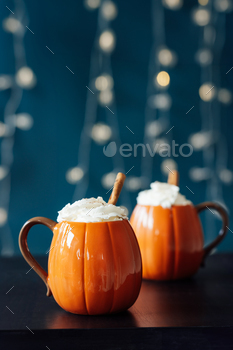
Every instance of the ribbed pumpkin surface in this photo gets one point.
(170, 240)
(94, 268)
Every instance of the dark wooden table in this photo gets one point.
(190, 314)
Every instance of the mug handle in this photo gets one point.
(225, 222)
(25, 250)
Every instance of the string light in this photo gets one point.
(101, 133)
(225, 96)
(107, 41)
(3, 216)
(204, 57)
(201, 16)
(199, 174)
(105, 97)
(202, 139)
(5, 82)
(226, 176)
(207, 92)
(108, 180)
(3, 129)
(168, 164)
(23, 121)
(74, 175)
(167, 57)
(12, 25)
(109, 10)
(92, 4)
(133, 183)
(163, 79)
(223, 5)
(3, 172)
(25, 78)
(160, 101)
(104, 82)
(154, 128)
(173, 4)
(203, 2)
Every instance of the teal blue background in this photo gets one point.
(57, 103)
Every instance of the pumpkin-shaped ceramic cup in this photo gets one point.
(93, 268)
(171, 239)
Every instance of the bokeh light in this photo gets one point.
(109, 10)
(74, 175)
(12, 25)
(207, 92)
(199, 174)
(101, 133)
(92, 4)
(167, 57)
(161, 101)
(225, 96)
(173, 4)
(107, 41)
(204, 57)
(201, 16)
(25, 78)
(3, 216)
(105, 97)
(104, 82)
(24, 121)
(168, 164)
(108, 179)
(163, 78)
(5, 82)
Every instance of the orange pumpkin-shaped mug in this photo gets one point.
(93, 267)
(171, 239)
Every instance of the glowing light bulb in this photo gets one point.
(168, 164)
(3, 172)
(199, 174)
(203, 2)
(91, 4)
(202, 139)
(12, 25)
(207, 92)
(225, 96)
(74, 175)
(24, 121)
(3, 129)
(5, 82)
(201, 16)
(154, 128)
(163, 79)
(105, 97)
(108, 180)
(25, 78)
(3, 216)
(160, 101)
(109, 10)
(204, 57)
(104, 82)
(101, 133)
(107, 41)
(223, 5)
(173, 4)
(167, 57)
(133, 183)
(226, 176)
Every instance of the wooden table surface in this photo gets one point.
(196, 313)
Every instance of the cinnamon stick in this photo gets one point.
(173, 177)
(117, 188)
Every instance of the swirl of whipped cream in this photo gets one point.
(162, 194)
(91, 210)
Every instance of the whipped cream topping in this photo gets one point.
(162, 194)
(91, 210)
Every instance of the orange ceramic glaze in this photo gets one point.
(93, 268)
(171, 239)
